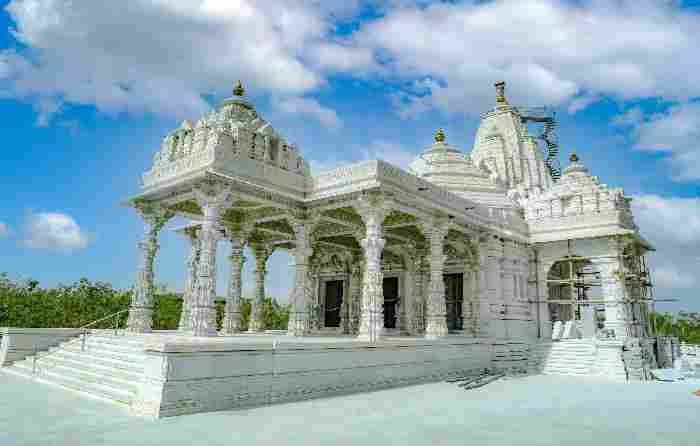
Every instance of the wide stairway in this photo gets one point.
(567, 357)
(109, 366)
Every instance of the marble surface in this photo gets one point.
(537, 410)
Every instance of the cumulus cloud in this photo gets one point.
(675, 132)
(310, 107)
(550, 52)
(672, 225)
(54, 231)
(161, 56)
(4, 230)
(390, 152)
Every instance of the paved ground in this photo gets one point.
(538, 410)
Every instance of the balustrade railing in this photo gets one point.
(84, 332)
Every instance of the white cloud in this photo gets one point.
(309, 107)
(54, 231)
(675, 133)
(390, 152)
(548, 51)
(160, 56)
(4, 230)
(672, 225)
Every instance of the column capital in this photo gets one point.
(153, 213)
(212, 195)
(372, 208)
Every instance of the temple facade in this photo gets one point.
(488, 262)
(493, 243)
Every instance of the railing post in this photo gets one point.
(82, 342)
(116, 323)
(34, 360)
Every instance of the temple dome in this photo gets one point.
(233, 133)
(448, 167)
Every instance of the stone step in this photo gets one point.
(91, 364)
(114, 346)
(81, 375)
(109, 354)
(117, 395)
(107, 348)
(118, 340)
(134, 366)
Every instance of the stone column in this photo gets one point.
(419, 292)
(613, 294)
(436, 314)
(141, 307)
(262, 252)
(372, 317)
(192, 234)
(355, 294)
(232, 311)
(203, 309)
(299, 318)
(407, 314)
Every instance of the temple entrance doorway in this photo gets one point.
(334, 300)
(391, 299)
(453, 299)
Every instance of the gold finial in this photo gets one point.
(501, 93)
(573, 158)
(440, 135)
(238, 90)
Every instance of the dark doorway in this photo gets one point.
(453, 298)
(334, 299)
(391, 298)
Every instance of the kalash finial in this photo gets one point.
(573, 158)
(238, 89)
(440, 136)
(501, 93)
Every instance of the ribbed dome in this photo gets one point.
(447, 166)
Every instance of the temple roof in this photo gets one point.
(447, 166)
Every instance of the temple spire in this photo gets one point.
(238, 89)
(501, 93)
(573, 158)
(440, 136)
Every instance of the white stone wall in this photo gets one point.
(182, 379)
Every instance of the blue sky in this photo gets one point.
(87, 91)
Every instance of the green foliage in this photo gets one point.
(685, 326)
(28, 305)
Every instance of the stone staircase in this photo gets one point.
(110, 367)
(567, 357)
(609, 362)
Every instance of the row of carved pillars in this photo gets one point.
(199, 313)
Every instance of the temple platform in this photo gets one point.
(166, 374)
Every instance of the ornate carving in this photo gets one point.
(192, 234)
(436, 309)
(141, 308)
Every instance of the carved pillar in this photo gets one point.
(436, 311)
(141, 307)
(419, 291)
(203, 309)
(612, 288)
(262, 252)
(407, 315)
(355, 294)
(192, 234)
(302, 294)
(372, 317)
(232, 311)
